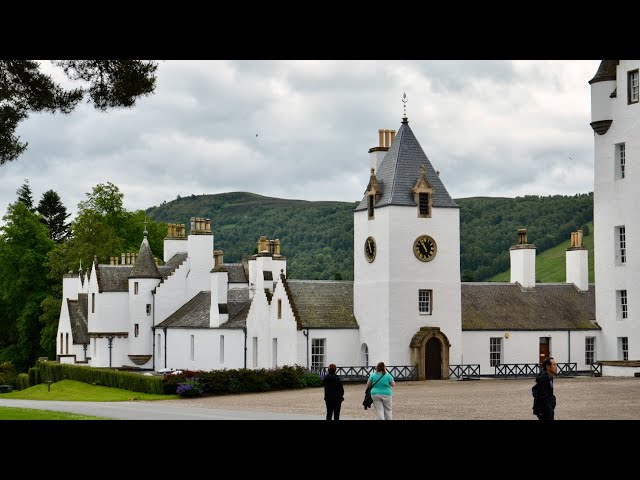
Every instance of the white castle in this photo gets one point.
(406, 305)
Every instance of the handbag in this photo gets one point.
(368, 399)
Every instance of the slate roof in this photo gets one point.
(78, 312)
(548, 306)
(606, 71)
(323, 303)
(236, 273)
(145, 266)
(400, 170)
(195, 313)
(113, 278)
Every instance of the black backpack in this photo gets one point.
(534, 392)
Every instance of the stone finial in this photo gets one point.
(522, 236)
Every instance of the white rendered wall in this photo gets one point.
(386, 290)
(200, 263)
(523, 266)
(119, 352)
(524, 347)
(172, 293)
(340, 347)
(577, 262)
(71, 285)
(284, 329)
(371, 282)
(615, 371)
(601, 104)
(64, 327)
(258, 326)
(143, 343)
(206, 349)
(173, 246)
(617, 202)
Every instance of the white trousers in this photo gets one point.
(383, 404)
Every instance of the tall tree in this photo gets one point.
(25, 196)
(24, 244)
(25, 89)
(54, 214)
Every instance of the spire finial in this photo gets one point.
(80, 269)
(145, 233)
(423, 170)
(404, 101)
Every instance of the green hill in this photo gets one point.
(551, 264)
(317, 237)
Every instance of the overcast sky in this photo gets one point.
(302, 130)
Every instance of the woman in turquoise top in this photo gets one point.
(382, 382)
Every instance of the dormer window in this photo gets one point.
(424, 204)
(373, 193)
(423, 194)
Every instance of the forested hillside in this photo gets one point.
(317, 237)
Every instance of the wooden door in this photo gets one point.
(433, 360)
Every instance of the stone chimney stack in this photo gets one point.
(376, 154)
(577, 262)
(523, 261)
(217, 258)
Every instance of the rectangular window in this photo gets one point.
(495, 351)
(623, 348)
(136, 330)
(93, 303)
(621, 160)
(621, 241)
(274, 360)
(67, 338)
(632, 89)
(423, 205)
(279, 308)
(148, 309)
(317, 352)
(159, 344)
(61, 343)
(424, 302)
(192, 348)
(589, 350)
(135, 288)
(370, 205)
(95, 347)
(221, 349)
(622, 304)
(255, 352)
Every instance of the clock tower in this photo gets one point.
(406, 237)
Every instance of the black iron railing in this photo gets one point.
(506, 370)
(361, 374)
(595, 369)
(463, 372)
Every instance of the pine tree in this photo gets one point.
(25, 89)
(54, 214)
(25, 196)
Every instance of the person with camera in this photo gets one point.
(382, 392)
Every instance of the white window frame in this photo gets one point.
(621, 160)
(623, 346)
(136, 329)
(589, 350)
(135, 288)
(495, 351)
(621, 245)
(148, 309)
(255, 352)
(622, 304)
(318, 351)
(425, 301)
(192, 348)
(159, 346)
(279, 308)
(274, 353)
(632, 78)
(221, 349)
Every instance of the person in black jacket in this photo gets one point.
(546, 400)
(333, 393)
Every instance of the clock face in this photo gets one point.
(370, 249)
(425, 248)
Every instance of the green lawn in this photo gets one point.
(551, 264)
(11, 413)
(69, 390)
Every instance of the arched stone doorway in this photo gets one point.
(430, 352)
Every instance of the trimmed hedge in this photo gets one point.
(22, 381)
(100, 376)
(34, 376)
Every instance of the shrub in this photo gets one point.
(191, 387)
(7, 374)
(22, 381)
